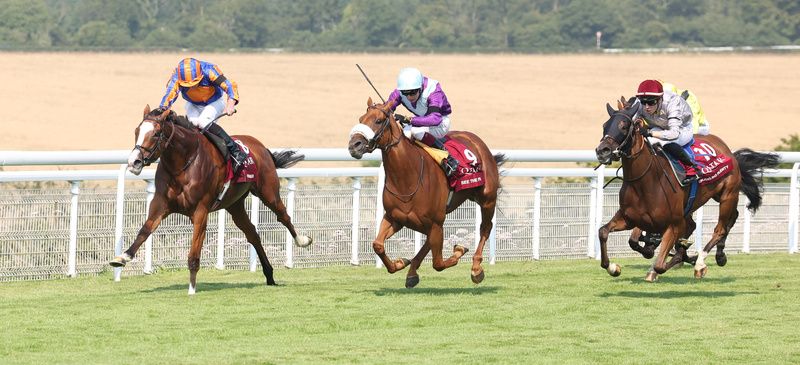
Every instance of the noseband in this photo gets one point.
(158, 147)
(620, 150)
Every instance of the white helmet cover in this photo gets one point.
(409, 79)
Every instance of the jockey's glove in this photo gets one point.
(645, 132)
(401, 119)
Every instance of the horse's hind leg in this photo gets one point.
(270, 196)
(200, 221)
(386, 230)
(727, 217)
(487, 213)
(241, 220)
(647, 251)
(157, 212)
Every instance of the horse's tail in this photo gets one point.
(751, 167)
(500, 159)
(286, 159)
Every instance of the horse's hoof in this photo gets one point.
(648, 254)
(477, 279)
(120, 260)
(271, 282)
(651, 277)
(457, 248)
(721, 259)
(699, 274)
(614, 269)
(303, 241)
(412, 281)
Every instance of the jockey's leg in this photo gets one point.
(238, 157)
(449, 164)
(678, 152)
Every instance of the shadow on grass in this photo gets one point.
(201, 287)
(479, 290)
(673, 294)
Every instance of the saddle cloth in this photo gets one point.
(469, 174)
(248, 173)
(714, 166)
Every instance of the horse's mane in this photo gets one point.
(174, 118)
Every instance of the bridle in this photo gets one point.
(625, 150)
(159, 147)
(373, 142)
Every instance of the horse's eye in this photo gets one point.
(623, 126)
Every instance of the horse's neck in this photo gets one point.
(401, 162)
(642, 168)
(182, 147)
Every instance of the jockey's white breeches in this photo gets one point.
(438, 131)
(202, 115)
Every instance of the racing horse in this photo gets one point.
(651, 199)
(416, 191)
(189, 177)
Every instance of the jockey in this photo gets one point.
(202, 84)
(669, 120)
(700, 124)
(431, 121)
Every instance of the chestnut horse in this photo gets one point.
(651, 199)
(416, 191)
(191, 173)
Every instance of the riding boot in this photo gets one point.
(678, 152)
(238, 157)
(449, 164)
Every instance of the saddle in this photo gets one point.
(469, 174)
(713, 166)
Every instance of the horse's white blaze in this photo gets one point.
(362, 130)
(303, 241)
(144, 128)
(133, 156)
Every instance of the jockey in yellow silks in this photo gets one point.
(700, 124)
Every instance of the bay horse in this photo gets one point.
(416, 191)
(652, 199)
(191, 173)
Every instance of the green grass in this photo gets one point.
(524, 312)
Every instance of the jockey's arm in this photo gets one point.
(671, 133)
(433, 117)
(172, 92)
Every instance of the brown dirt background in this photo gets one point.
(94, 101)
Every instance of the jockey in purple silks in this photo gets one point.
(424, 98)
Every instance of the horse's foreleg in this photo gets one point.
(487, 213)
(156, 213)
(269, 195)
(436, 241)
(617, 223)
(412, 278)
(660, 266)
(240, 218)
(386, 230)
(200, 220)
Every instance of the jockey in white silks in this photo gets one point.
(431, 121)
(669, 119)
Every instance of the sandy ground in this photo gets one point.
(94, 101)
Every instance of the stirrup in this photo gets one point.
(450, 166)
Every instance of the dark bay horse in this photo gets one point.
(190, 175)
(416, 192)
(651, 198)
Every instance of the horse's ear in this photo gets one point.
(620, 106)
(164, 114)
(610, 109)
(369, 102)
(146, 110)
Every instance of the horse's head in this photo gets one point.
(371, 131)
(150, 139)
(619, 130)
